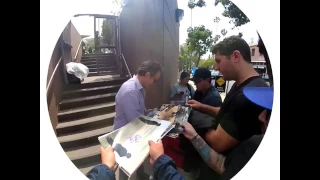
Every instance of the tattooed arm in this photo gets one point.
(213, 159)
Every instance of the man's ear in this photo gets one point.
(236, 56)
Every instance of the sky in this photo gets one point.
(200, 16)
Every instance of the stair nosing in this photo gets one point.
(107, 80)
(91, 89)
(100, 96)
(84, 152)
(86, 108)
(85, 120)
(85, 134)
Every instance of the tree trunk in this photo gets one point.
(191, 18)
(198, 60)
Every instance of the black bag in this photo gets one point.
(72, 79)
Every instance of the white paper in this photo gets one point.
(131, 141)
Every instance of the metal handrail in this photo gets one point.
(75, 56)
(53, 73)
(126, 65)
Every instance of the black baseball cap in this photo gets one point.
(201, 73)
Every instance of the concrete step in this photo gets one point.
(80, 125)
(97, 60)
(84, 156)
(100, 63)
(109, 58)
(102, 73)
(79, 140)
(90, 91)
(86, 101)
(96, 55)
(103, 68)
(86, 112)
(98, 83)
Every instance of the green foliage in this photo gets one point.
(199, 41)
(233, 12)
(216, 38)
(201, 3)
(207, 63)
(216, 20)
(192, 4)
(224, 32)
(238, 18)
(187, 57)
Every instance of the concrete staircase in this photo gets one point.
(87, 111)
(100, 64)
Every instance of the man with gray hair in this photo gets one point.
(130, 99)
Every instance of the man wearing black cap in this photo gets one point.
(205, 93)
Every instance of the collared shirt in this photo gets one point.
(129, 102)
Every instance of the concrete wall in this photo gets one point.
(148, 30)
(75, 40)
(255, 55)
(57, 83)
(64, 51)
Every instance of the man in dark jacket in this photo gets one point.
(206, 94)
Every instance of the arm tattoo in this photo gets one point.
(213, 159)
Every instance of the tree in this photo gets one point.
(224, 32)
(107, 31)
(216, 20)
(192, 4)
(187, 57)
(238, 18)
(233, 12)
(120, 4)
(216, 38)
(199, 41)
(207, 63)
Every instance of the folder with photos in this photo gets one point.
(131, 141)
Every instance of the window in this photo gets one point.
(253, 51)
